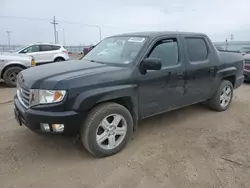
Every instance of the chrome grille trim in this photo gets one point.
(23, 94)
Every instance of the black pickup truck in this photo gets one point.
(124, 79)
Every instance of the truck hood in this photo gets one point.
(60, 75)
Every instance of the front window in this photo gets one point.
(30, 49)
(118, 50)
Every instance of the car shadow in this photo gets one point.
(70, 148)
(159, 122)
(246, 82)
(2, 84)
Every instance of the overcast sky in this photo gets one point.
(217, 18)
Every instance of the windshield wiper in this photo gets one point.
(93, 61)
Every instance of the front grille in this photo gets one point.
(23, 94)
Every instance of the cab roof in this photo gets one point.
(153, 34)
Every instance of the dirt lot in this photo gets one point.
(191, 147)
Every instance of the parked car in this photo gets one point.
(102, 97)
(87, 49)
(45, 52)
(247, 67)
(12, 64)
(245, 50)
(220, 48)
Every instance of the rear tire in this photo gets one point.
(223, 97)
(100, 135)
(58, 59)
(10, 75)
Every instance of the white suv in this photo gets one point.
(45, 53)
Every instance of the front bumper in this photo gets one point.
(32, 118)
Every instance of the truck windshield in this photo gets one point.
(117, 50)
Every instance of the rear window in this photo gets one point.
(197, 49)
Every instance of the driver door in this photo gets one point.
(163, 90)
(33, 51)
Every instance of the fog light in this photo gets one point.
(58, 127)
(45, 127)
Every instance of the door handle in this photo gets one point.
(180, 75)
(212, 69)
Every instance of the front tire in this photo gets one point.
(107, 129)
(10, 76)
(223, 97)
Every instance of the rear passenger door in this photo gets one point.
(200, 69)
(47, 53)
(162, 90)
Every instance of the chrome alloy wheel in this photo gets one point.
(225, 96)
(111, 131)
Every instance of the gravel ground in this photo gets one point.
(191, 147)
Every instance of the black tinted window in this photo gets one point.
(167, 51)
(197, 49)
(56, 47)
(30, 49)
(46, 47)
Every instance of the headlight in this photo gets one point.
(47, 96)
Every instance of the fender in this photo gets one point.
(229, 71)
(225, 72)
(15, 63)
(11, 63)
(87, 99)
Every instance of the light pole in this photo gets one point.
(57, 37)
(8, 33)
(54, 23)
(100, 32)
(64, 38)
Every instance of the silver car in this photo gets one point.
(11, 64)
(45, 52)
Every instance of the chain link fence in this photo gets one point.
(12, 48)
(232, 45)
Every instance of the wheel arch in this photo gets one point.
(59, 57)
(229, 74)
(12, 65)
(231, 78)
(123, 95)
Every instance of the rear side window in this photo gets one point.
(56, 47)
(197, 49)
(167, 51)
(46, 48)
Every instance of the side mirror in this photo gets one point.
(151, 64)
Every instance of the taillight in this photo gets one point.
(65, 51)
(247, 62)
